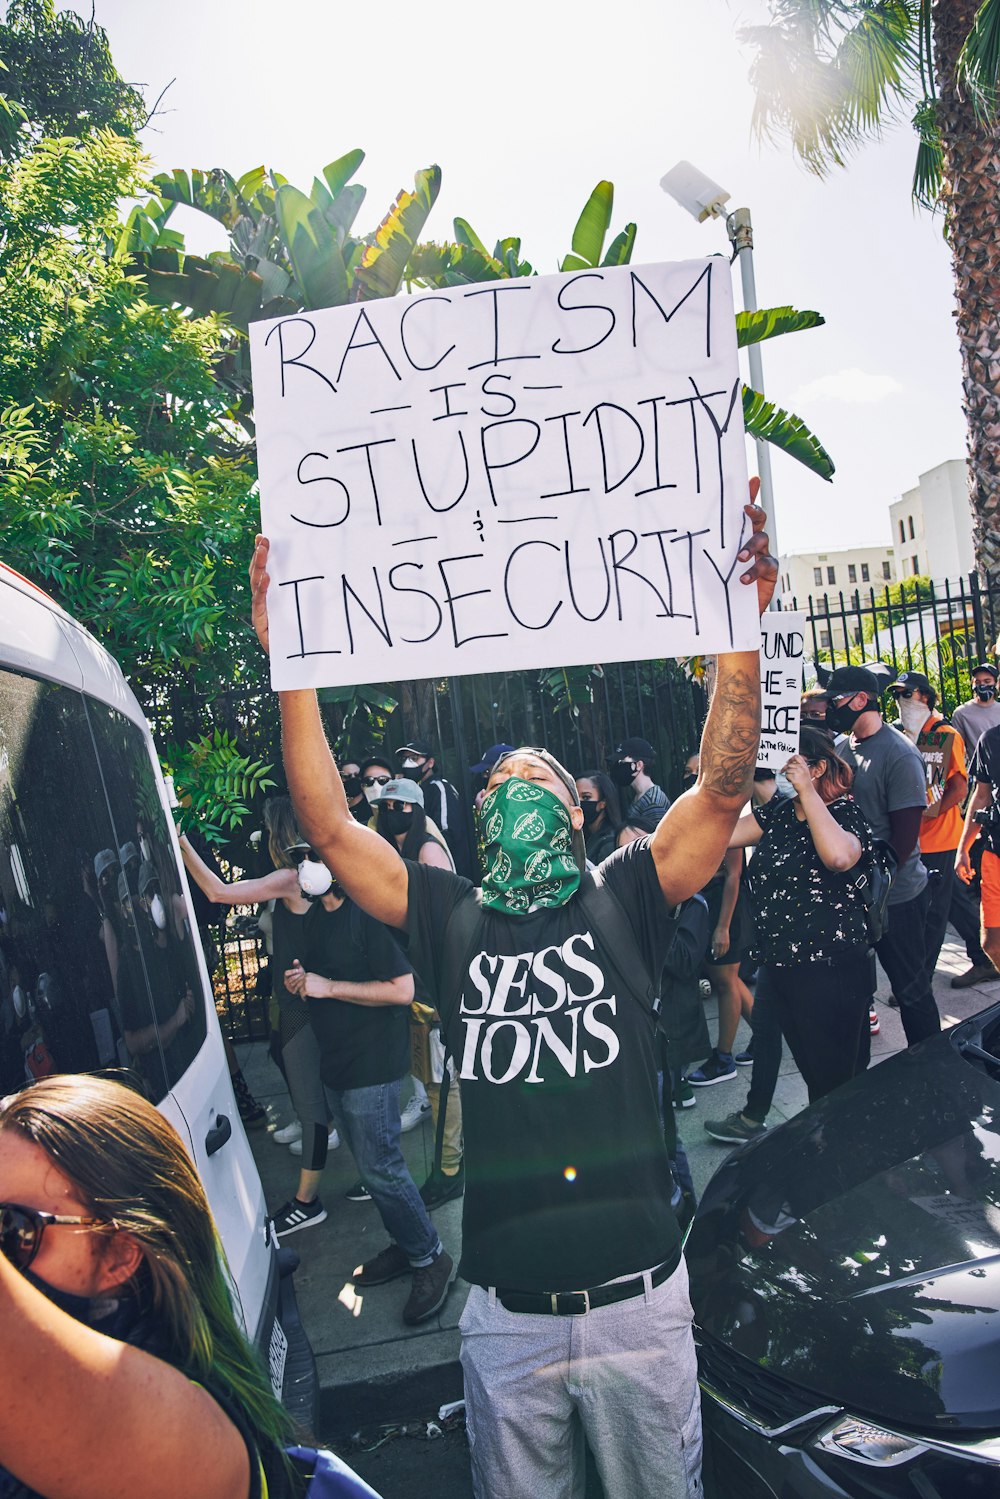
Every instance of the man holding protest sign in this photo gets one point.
(578, 1321)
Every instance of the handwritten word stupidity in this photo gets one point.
(782, 649)
(504, 475)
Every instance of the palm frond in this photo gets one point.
(927, 171)
(979, 60)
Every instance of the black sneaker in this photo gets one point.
(389, 1264)
(440, 1187)
(431, 1284)
(295, 1215)
(734, 1129)
(358, 1193)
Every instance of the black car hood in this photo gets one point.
(856, 1251)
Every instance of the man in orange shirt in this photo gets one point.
(941, 829)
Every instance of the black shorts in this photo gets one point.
(741, 927)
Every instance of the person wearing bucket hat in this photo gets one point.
(544, 978)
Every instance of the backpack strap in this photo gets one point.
(613, 934)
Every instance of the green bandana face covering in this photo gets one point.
(528, 846)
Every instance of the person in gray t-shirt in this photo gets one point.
(890, 786)
(982, 711)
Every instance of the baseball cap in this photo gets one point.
(633, 749)
(851, 679)
(416, 747)
(147, 876)
(984, 666)
(103, 861)
(490, 758)
(402, 789)
(910, 680)
(127, 853)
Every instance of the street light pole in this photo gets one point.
(740, 231)
(705, 199)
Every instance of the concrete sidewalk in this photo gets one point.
(364, 1351)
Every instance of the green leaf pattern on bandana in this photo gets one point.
(529, 854)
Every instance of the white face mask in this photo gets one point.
(783, 786)
(913, 716)
(158, 913)
(314, 878)
(371, 792)
(20, 1004)
(413, 764)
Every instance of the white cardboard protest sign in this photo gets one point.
(547, 471)
(782, 651)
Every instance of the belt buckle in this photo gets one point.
(557, 1310)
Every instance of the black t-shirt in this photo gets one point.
(984, 769)
(359, 1045)
(804, 912)
(568, 1181)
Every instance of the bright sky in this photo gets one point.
(524, 113)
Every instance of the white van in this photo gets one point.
(100, 962)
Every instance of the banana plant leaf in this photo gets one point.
(591, 229)
(214, 192)
(785, 431)
(466, 235)
(383, 263)
(452, 265)
(619, 252)
(312, 249)
(754, 327)
(340, 172)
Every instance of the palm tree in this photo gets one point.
(830, 74)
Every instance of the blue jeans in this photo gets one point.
(368, 1119)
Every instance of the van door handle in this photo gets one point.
(218, 1134)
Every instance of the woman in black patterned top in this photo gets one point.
(812, 939)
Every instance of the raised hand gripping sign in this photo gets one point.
(505, 475)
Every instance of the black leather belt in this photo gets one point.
(579, 1303)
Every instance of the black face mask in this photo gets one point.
(842, 720)
(984, 691)
(352, 786)
(622, 772)
(688, 779)
(591, 811)
(397, 821)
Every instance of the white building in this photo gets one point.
(932, 526)
(805, 575)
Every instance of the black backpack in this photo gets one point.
(874, 883)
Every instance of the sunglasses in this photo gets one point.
(22, 1231)
(376, 780)
(299, 855)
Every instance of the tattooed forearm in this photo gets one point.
(732, 730)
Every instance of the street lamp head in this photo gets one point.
(702, 197)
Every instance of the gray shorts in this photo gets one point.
(624, 1377)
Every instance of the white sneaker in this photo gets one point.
(287, 1135)
(416, 1109)
(332, 1141)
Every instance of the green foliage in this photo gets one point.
(570, 688)
(125, 491)
(215, 784)
(364, 714)
(59, 79)
(789, 433)
(591, 229)
(754, 327)
(899, 599)
(830, 74)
